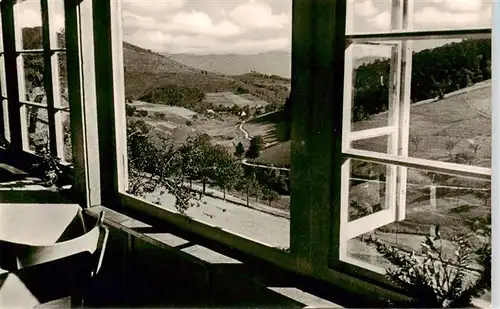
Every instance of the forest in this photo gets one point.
(435, 72)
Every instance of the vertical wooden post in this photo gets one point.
(51, 83)
(11, 72)
(318, 44)
(404, 109)
(82, 98)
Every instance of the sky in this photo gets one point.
(255, 26)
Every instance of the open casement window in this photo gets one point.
(40, 61)
(376, 155)
(386, 185)
(41, 76)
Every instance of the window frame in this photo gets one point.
(318, 51)
(399, 162)
(81, 92)
(309, 252)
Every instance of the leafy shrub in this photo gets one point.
(436, 280)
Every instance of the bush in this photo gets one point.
(241, 90)
(256, 145)
(434, 279)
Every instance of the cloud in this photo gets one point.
(461, 5)
(182, 22)
(152, 7)
(203, 44)
(365, 8)
(201, 23)
(28, 18)
(382, 20)
(253, 15)
(432, 17)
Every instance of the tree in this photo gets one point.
(156, 166)
(474, 147)
(256, 145)
(450, 145)
(240, 150)
(130, 110)
(228, 171)
(415, 140)
(196, 158)
(270, 195)
(250, 185)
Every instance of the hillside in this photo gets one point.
(146, 71)
(460, 117)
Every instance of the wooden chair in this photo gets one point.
(35, 274)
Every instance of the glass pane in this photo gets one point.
(370, 79)
(56, 16)
(33, 78)
(376, 144)
(212, 100)
(63, 79)
(365, 16)
(5, 113)
(66, 133)
(450, 115)
(3, 83)
(28, 21)
(38, 128)
(371, 16)
(438, 206)
(457, 14)
(367, 189)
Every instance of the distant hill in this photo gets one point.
(146, 71)
(270, 63)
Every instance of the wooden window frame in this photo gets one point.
(317, 50)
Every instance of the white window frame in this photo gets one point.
(4, 110)
(81, 91)
(396, 159)
(51, 80)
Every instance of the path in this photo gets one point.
(476, 109)
(245, 162)
(247, 136)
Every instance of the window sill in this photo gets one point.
(201, 255)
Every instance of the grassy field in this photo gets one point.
(270, 126)
(454, 119)
(167, 109)
(230, 99)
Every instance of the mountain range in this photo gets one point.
(270, 63)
